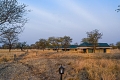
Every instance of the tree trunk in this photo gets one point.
(21, 48)
(58, 49)
(94, 49)
(65, 49)
(10, 48)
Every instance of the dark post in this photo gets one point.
(61, 77)
(61, 71)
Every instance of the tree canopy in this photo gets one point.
(55, 42)
(85, 40)
(42, 43)
(66, 41)
(93, 37)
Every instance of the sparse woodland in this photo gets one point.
(20, 61)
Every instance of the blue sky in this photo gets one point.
(71, 18)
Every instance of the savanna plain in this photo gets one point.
(35, 64)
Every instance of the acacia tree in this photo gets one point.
(66, 42)
(93, 37)
(21, 45)
(12, 20)
(32, 46)
(37, 45)
(10, 38)
(85, 40)
(56, 42)
(53, 42)
(43, 43)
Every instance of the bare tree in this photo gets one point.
(12, 20)
(10, 38)
(94, 36)
(12, 15)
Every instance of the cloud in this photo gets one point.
(79, 10)
(51, 18)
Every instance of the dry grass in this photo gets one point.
(43, 65)
(6, 56)
(100, 68)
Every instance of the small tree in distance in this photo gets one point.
(93, 37)
(85, 40)
(113, 46)
(10, 38)
(43, 44)
(55, 42)
(66, 42)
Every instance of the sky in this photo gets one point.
(73, 18)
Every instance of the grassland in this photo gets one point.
(44, 65)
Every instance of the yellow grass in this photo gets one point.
(6, 56)
(78, 66)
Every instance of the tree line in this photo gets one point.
(64, 42)
(53, 42)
